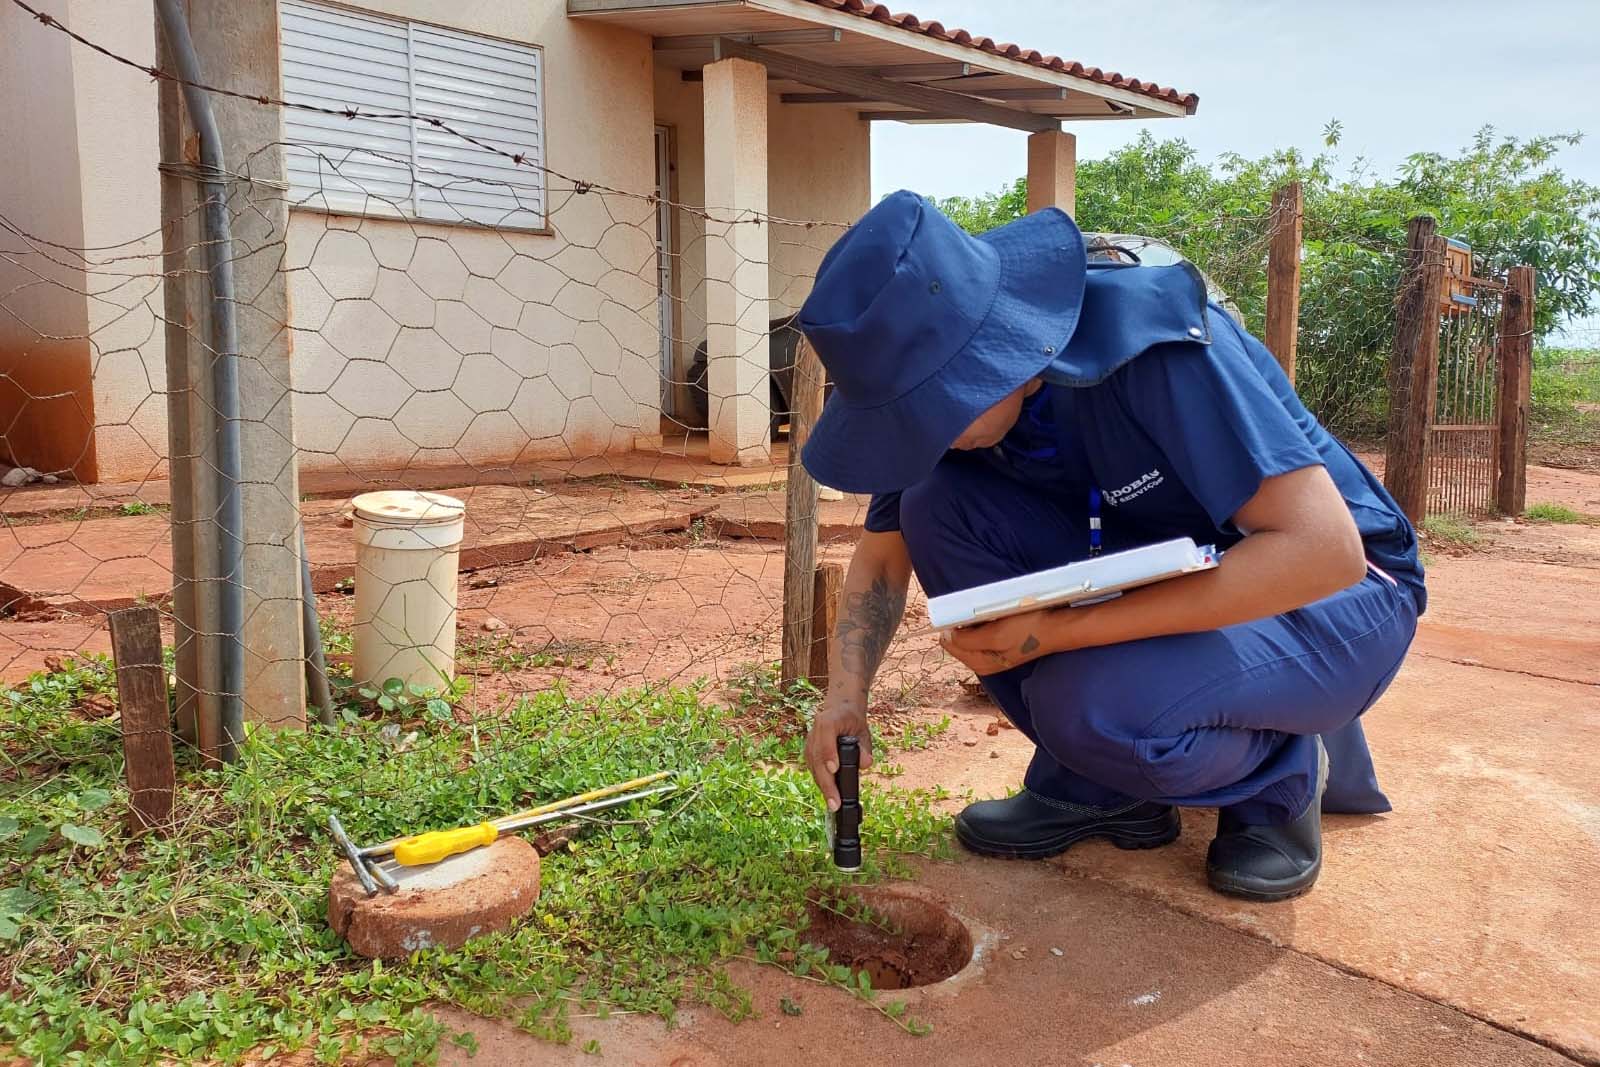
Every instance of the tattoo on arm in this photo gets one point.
(1030, 644)
(869, 622)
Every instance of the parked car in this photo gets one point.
(785, 335)
(1150, 252)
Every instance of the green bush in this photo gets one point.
(1502, 195)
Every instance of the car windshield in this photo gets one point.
(1148, 251)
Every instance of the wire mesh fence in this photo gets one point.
(548, 366)
(1565, 430)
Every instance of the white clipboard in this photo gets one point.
(1075, 584)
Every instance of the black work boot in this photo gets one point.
(1273, 862)
(1029, 826)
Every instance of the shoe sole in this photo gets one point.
(1146, 833)
(1265, 892)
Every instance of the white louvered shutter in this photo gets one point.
(487, 89)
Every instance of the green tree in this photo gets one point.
(1504, 196)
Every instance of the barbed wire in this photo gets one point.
(734, 216)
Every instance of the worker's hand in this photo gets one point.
(1005, 643)
(834, 720)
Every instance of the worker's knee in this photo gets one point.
(1093, 719)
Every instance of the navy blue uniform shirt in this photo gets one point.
(1177, 416)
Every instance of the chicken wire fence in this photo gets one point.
(551, 374)
(1565, 425)
(522, 373)
(536, 346)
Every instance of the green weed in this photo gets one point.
(1451, 531)
(503, 655)
(919, 735)
(1553, 513)
(213, 944)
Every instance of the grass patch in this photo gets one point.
(1450, 531)
(1552, 513)
(213, 943)
(503, 655)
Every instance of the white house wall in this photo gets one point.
(429, 344)
(79, 171)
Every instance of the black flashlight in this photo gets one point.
(847, 820)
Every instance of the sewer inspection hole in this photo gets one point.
(899, 940)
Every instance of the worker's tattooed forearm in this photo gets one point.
(869, 622)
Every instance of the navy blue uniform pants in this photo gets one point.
(1221, 718)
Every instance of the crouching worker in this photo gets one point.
(1012, 409)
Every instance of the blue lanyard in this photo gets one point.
(1094, 522)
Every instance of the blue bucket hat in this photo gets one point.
(923, 328)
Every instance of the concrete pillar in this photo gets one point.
(737, 308)
(1052, 171)
(237, 45)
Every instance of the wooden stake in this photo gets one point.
(146, 717)
(800, 517)
(826, 594)
(1414, 370)
(1516, 386)
(1283, 275)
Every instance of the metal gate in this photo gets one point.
(1464, 439)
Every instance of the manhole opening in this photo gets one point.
(899, 940)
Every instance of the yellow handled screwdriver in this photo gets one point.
(439, 844)
(479, 836)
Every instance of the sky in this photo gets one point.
(1402, 76)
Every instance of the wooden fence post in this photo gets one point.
(827, 592)
(1516, 388)
(1414, 370)
(1283, 275)
(145, 715)
(800, 518)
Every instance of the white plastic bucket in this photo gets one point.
(408, 548)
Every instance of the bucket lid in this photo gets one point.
(403, 507)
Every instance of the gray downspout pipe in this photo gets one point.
(218, 240)
(316, 661)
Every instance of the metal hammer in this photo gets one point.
(368, 876)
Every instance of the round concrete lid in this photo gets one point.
(403, 507)
(438, 906)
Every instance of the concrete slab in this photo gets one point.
(760, 515)
(1517, 612)
(1477, 891)
(100, 564)
(1134, 983)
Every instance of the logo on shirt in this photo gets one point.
(1138, 487)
